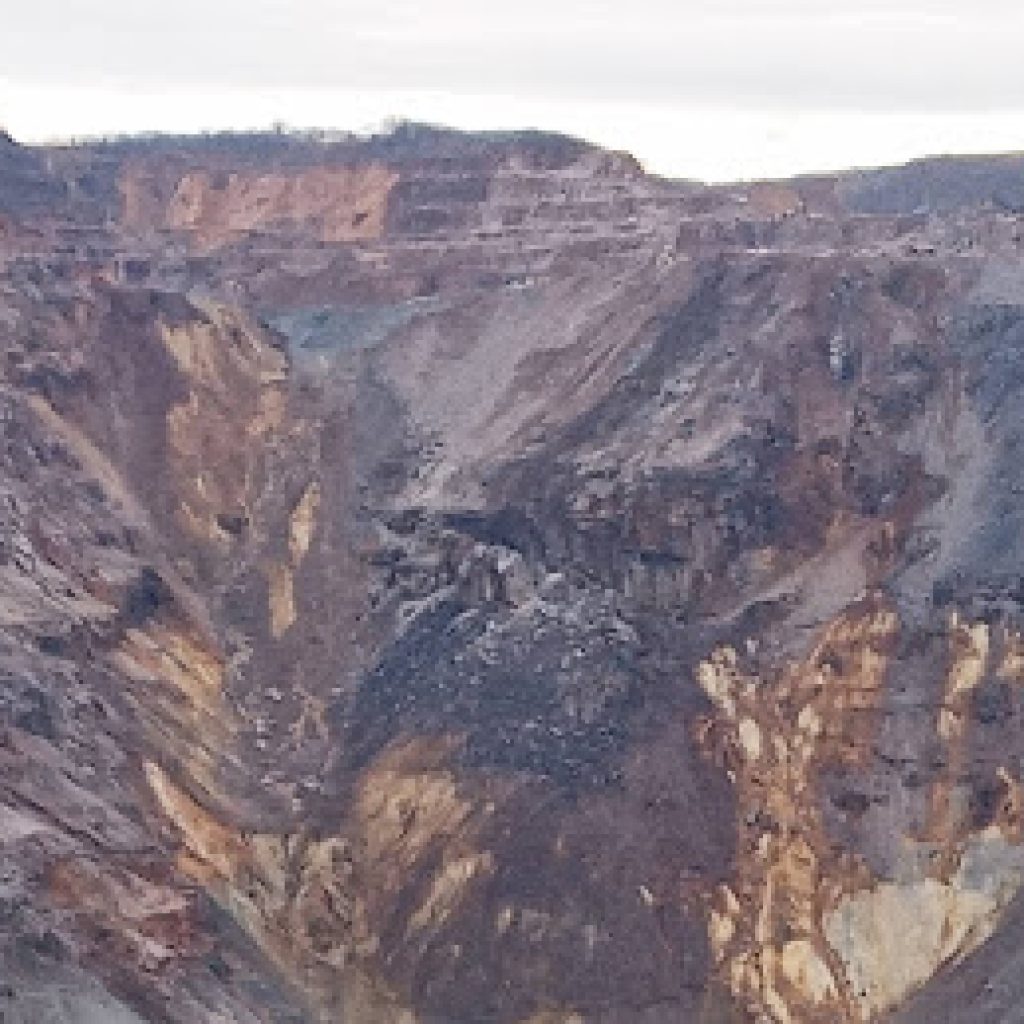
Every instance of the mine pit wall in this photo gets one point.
(119, 660)
(849, 782)
(173, 409)
(798, 933)
(177, 412)
(825, 930)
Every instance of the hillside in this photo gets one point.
(461, 579)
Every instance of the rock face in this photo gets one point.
(463, 580)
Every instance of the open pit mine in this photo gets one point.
(464, 579)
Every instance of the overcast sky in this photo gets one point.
(702, 88)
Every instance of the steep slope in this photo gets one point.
(456, 579)
(27, 186)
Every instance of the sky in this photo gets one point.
(710, 89)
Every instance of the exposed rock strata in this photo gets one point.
(462, 579)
